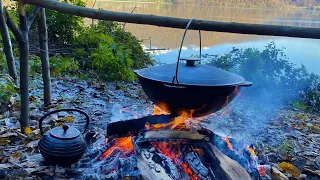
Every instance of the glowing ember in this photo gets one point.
(261, 170)
(189, 172)
(252, 152)
(171, 150)
(123, 144)
(227, 141)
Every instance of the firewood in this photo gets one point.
(150, 174)
(277, 175)
(231, 168)
(174, 135)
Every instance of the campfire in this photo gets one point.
(163, 147)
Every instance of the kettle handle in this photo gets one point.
(66, 109)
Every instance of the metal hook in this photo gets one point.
(175, 78)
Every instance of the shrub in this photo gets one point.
(275, 79)
(7, 88)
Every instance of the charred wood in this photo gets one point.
(134, 126)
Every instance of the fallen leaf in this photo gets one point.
(48, 172)
(316, 172)
(27, 130)
(4, 141)
(68, 119)
(60, 124)
(5, 166)
(16, 155)
(33, 144)
(8, 134)
(32, 98)
(289, 168)
(31, 170)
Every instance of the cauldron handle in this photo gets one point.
(66, 109)
(184, 35)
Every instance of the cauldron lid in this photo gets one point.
(65, 132)
(198, 75)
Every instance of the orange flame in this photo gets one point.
(228, 142)
(252, 152)
(158, 111)
(179, 123)
(189, 172)
(123, 144)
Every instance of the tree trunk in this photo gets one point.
(44, 55)
(180, 23)
(7, 46)
(24, 68)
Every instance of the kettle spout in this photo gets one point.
(89, 136)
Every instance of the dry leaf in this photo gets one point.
(68, 119)
(33, 144)
(8, 134)
(289, 168)
(27, 130)
(16, 155)
(317, 172)
(31, 170)
(60, 124)
(4, 141)
(32, 98)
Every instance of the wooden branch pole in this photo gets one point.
(32, 16)
(180, 23)
(7, 46)
(24, 67)
(44, 55)
(21, 35)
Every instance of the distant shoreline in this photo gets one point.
(291, 7)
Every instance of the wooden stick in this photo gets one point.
(180, 23)
(231, 168)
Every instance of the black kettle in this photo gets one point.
(63, 145)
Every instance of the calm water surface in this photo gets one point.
(298, 50)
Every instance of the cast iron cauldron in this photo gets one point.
(63, 145)
(190, 86)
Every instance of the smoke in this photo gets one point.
(276, 83)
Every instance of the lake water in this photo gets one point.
(298, 50)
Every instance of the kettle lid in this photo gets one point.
(65, 132)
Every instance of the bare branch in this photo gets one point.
(17, 33)
(180, 23)
(32, 16)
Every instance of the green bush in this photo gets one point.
(275, 79)
(110, 51)
(7, 89)
(62, 65)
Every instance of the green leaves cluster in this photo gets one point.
(59, 65)
(7, 89)
(111, 52)
(102, 48)
(275, 79)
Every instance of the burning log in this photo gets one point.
(230, 168)
(175, 135)
(134, 126)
